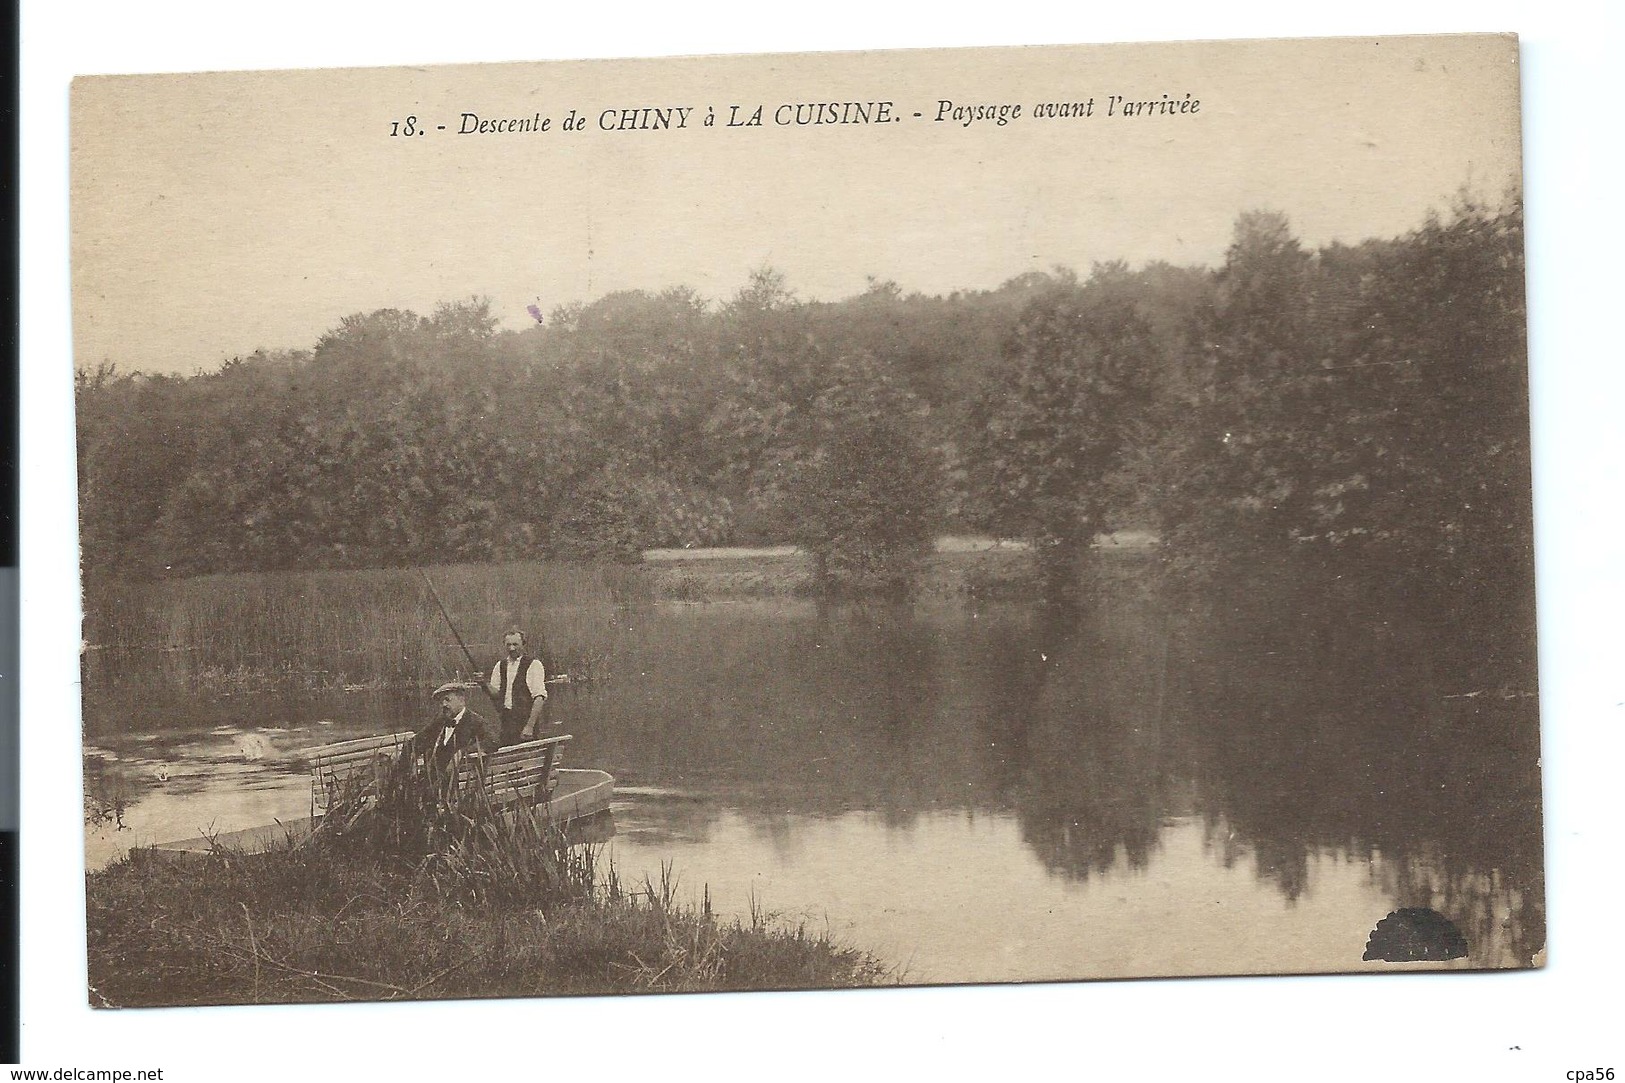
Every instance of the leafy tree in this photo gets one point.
(1361, 413)
(1237, 476)
(770, 371)
(1059, 414)
(136, 437)
(863, 493)
(1435, 482)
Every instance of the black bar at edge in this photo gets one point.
(10, 886)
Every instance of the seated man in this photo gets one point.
(457, 730)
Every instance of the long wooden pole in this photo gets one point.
(474, 668)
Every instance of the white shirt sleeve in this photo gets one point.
(495, 683)
(536, 679)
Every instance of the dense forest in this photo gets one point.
(1360, 409)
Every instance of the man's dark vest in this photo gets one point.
(521, 691)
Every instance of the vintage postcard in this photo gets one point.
(805, 521)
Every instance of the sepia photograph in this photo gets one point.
(805, 521)
(1044, 598)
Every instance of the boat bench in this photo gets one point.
(335, 769)
(522, 772)
(525, 772)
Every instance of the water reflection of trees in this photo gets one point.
(1095, 776)
(1388, 735)
(1297, 725)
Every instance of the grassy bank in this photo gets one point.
(473, 907)
(288, 928)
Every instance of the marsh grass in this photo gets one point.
(413, 894)
(169, 641)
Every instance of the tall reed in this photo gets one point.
(291, 631)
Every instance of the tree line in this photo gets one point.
(1352, 406)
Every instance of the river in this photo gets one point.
(982, 792)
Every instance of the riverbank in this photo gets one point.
(311, 925)
(785, 572)
(957, 567)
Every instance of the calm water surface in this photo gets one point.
(982, 792)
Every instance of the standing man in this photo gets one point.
(518, 684)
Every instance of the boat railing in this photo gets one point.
(526, 772)
(334, 768)
(523, 772)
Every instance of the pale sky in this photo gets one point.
(216, 214)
